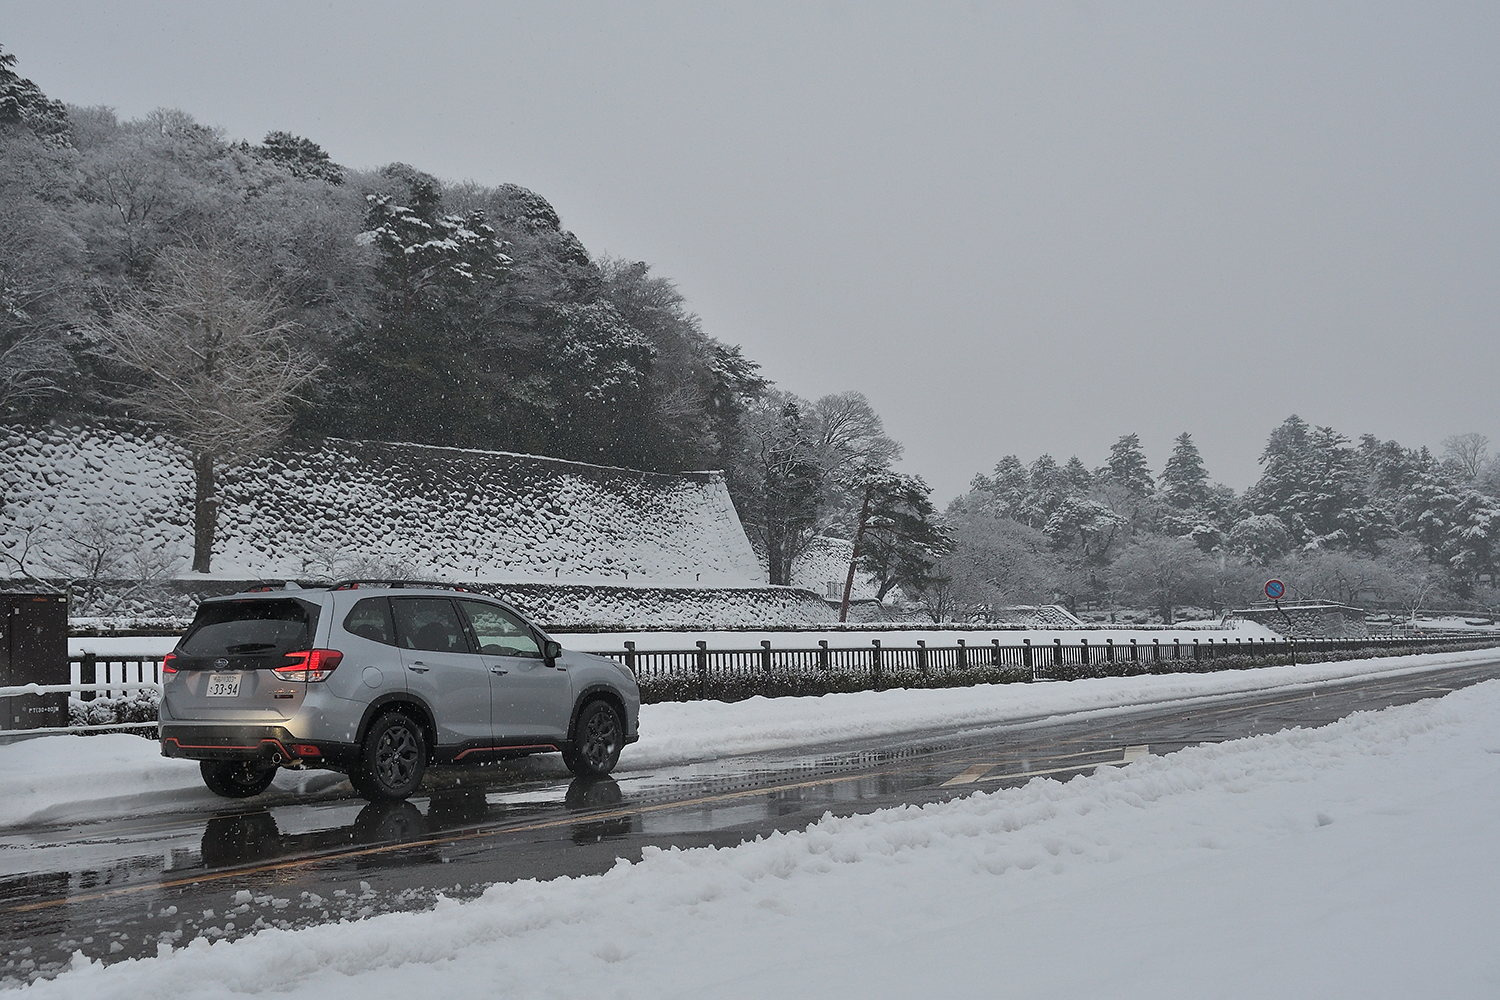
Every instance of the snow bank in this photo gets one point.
(58, 778)
(1352, 860)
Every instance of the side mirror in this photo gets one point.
(551, 650)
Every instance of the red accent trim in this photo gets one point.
(499, 749)
(226, 746)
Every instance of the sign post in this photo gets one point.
(1276, 590)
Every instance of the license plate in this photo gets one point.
(223, 685)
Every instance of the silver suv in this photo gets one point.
(379, 680)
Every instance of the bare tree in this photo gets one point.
(214, 365)
(994, 562)
(17, 544)
(1468, 451)
(851, 445)
(92, 554)
(1164, 572)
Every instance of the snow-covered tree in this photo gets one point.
(898, 539)
(1087, 528)
(1184, 480)
(1163, 573)
(1469, 453)
(1127, 466)
(1260, 539)
(299, 156)
(1312, 481)
(23, 105)
(782, 481)
(994, 561)
(212, 364)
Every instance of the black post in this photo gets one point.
(922, 657)
(994, 652)
(963, 655)
(823, 655)
(875, 660)
(702, 669)
(88, 673)
(1109, 651)
(765, 656)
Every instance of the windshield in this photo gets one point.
(250, 628)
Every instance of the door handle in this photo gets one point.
(497, 671)
(418, 668)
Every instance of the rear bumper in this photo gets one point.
(271, 745)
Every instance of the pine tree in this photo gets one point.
(898, 539)
(1313, 482)
(1283, 463)
(1184, 481)
(301, 157)
(22, 103)
(429, 266)
(1127, 466)
(1078, 477)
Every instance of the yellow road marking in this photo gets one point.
(970, 776)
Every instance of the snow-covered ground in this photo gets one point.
(1353, 860)
(57, 778)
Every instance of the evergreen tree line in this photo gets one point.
(1367, 523)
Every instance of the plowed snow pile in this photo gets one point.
(1353, 860)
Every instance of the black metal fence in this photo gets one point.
(688, 672)
(1043, 661)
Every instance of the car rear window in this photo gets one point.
(250, 628)
(371, 619)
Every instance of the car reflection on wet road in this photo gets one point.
(118, 889)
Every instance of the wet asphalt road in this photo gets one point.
(116, 889)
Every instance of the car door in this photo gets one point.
(442, 669)
(529, 699)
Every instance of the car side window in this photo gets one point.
(499, 632)
(371, 619)
(429, 623)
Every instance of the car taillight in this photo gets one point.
(166, 664)
(310, 665)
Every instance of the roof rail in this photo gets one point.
(400, 584)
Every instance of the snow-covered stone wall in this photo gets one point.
(350, 508)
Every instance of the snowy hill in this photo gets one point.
(348, 508)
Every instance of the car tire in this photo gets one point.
(598, 738)
(236, 779)
(392, 759)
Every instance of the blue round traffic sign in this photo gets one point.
(1275, 589)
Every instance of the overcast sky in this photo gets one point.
(1017, 229)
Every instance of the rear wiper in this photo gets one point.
(250, 647)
